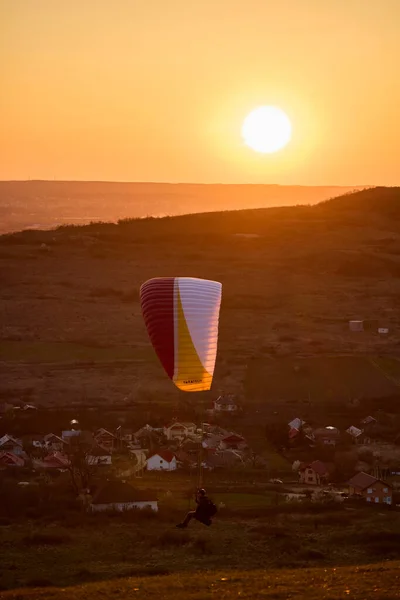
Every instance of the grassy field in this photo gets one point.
(244, 545)
(55, 352)
(378, 581)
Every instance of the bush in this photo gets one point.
(39, 583)
(46, 539)
(202, 546)
(312, 554)
(269, 530)
(172, 538)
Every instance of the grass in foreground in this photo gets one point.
(102, 548)
(380, 581)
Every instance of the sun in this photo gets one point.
(266, 129)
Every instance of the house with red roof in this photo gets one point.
(372, 489)
(162, 460)
(55, 460)
(233, 442)
(314, 473)
(8, 459)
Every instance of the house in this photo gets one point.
(368, 420)
(327, 436)
(29, 407)
(185, 459)
(97, 456)
(125, 437)
(191, 447)
(355, 434)
(179, 430)
(10, 444)
(372, 489)
(120, 496)
(54, 442)
(8, 459)
(212, 442)
(163, 460)
(296, 423)
(223, 459)
(293, 433)
(315, 473)
(54, 460)
(105, 438)
(233, 442)
(68, 435)
(225, 404)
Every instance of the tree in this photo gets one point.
(81, 472)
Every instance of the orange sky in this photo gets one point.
(156, 90)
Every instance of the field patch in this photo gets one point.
(50, 352)
(320, 378)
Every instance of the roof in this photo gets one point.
(225, 400)
(224, 458)
(103, 431)
(368, 420)
(53, 461)
(328, 431)
(49, 436)
(296, 423)
(167, 455)
(182, 456)
(98, 451)
(363, 480)
(8, 438)
(354, 431)
(212, 441)
(181, 425)
(318, 466)
(233, 438)
(8, 458)
(114, 492)
(176, 425)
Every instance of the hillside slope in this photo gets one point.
(71, 329)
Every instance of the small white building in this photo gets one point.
(225, 404)
(120, 496)
(356, 325)
(163, 460)
(178, 430)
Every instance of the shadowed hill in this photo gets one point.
(384, 201)
(292, 279)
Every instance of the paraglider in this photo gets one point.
(181, 315)
(203, 513)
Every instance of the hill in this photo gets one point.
(71, 330)
(44, 204)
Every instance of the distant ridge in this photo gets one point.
(41, 204)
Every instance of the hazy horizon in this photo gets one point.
(41, 204)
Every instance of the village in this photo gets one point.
(104, 466)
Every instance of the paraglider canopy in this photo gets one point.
(181, 315)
